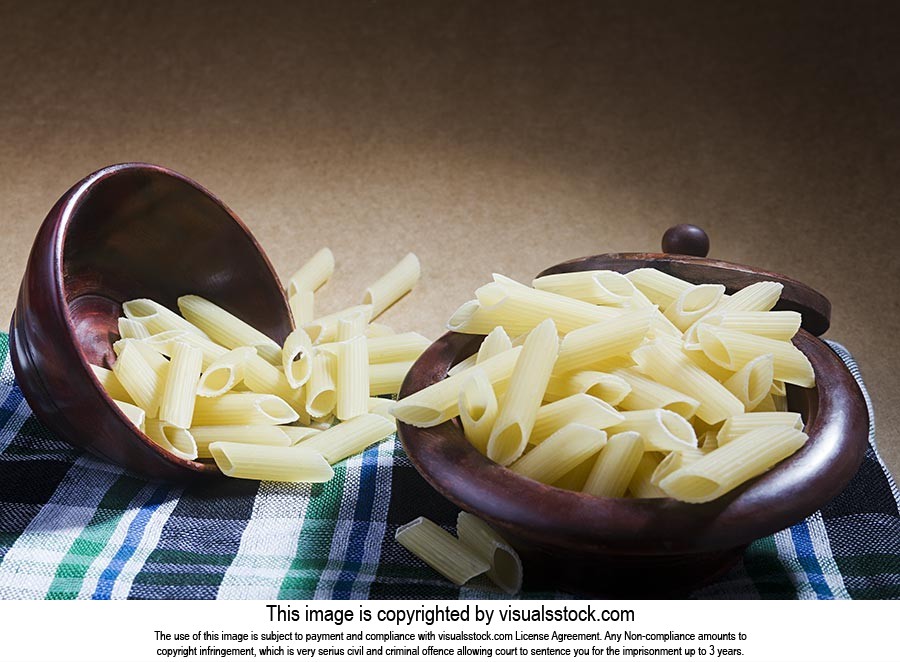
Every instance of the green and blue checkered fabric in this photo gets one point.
(73, 526)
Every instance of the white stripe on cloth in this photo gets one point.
(822, 548)
(30, 565)
(787, 554)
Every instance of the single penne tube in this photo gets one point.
(351, 325)
(260, 376)
(505, 565)
(387, 290)
(398, 347)
(694, 303)
(518, 409)
(671, 367)
(350, 437)
(734, 349)
(259, 435)
(226, 329)
(378, 330)
(178, 441)
(496, 342)
(303, 307)
(133, 413)
(352, 386)
(223, 374)
(387, 378)
(661, 429)
(321, 396)
(254, 462)
(579, 408)
(583, 348)
(477, 409)
(243, 409)
(142, 373)
(760, 296)
(156, 318)
(564, 450)
(298, 433)
(672, 463)
(324, 329)
(297, 355)
(111, 385)
(660, 288)
(609, 388)
(129, 328)
(465, 364)
(767, 404)
(648, 394)
(615, 466)
(605, 288)
(180, 390)
(440, 550)
(163, 343)
(382, 407)
(641, 486)
(738, 426)
(439, 402)
(775, 324)
(708, 366)
(314, 273)
(728, 466)
(751, 383)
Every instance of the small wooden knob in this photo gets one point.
(686, 239)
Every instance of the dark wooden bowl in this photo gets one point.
(127, 231)
(648, 547)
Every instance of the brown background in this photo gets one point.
(486, 137)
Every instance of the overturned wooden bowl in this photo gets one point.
(650, 547)
(125, 232)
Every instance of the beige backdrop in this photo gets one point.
(486, 137)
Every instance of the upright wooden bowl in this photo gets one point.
(127, 231)
(649, 547)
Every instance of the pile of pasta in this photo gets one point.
(206, 385)
(637, 385)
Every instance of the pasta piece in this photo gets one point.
(615, 466)
(350, 437)
(224, 373)
(496, 342)
(708, 442)
(560, 453)
(738, 426)
(671, 367)
(133, 413)
(780, 402)
(660, 288)
(297, 433)
(324, 329)
(387, 290)
(297, 358)
(303, 307)
(294, 464)
(111, 385)
(376, 330)
(648, 394)
(775, 324)
(661, 429)
(352, 378)
(609, 388)
(575, 479)
(259, 435)
(606, 288)
(182, 378)
(382, 407)
(387, 378)
(728, 466)
(142, 373)
(477, 409)
(156, 318)
(260, 376)
(505, 565)
(465, 364)
(321, 396)
(760, 296)
(440, 550)
(583, 348)
(351, 325)
(711, 368)
(778, 387)
(399, 347)
(641, 486)
(129, 328)
(694, 303)
(243, 409)
(313, 274)
(439, 402)
(176, 440)
(734, 349)
(518, 411)
(673, 462)
(752, 382)
(164, 342)
(767, 404)
(227, 329)
(579, 408)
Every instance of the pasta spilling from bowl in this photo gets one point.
(206, 385)
(639, 385)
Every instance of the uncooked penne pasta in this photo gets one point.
(293, 464)
(298, 433)
(352, 378)
(579, 408)
(738, 426)
(465, 364)
(751, 383)
(388, 289)
(648, 394)
(605, 288)
(519, 407)
(260, 376)
(693, 303)
(767, 404)
(324, 329)
(564, 450)
(303, 307)
(176, 440)
(227, 329)
(440, 550)
(583, 348)
(321, 396)
(734, 349)
(223, 374)
(156, 318)
(615, 466)
(707, 441)
(641, 486)
(398, 347)
(575, 479)
(111, 385)
(609, 388)
(142, 373)
(352, 325)
(133, 413)
(496, 342)
(728, 466)
(129, 328)
(163, 343)
(297, 355)
(775, 324)
(377, 330)
(439, 402)
(661, 429)
(350, 437)
(477, 409)
(259, 435)
(243, 409)
(314, 273)
(505, 565)
(382, 407)
(673, 462)
(778, 387)
(387, 378)
(180, 390)
(660, 288)
(756, 297)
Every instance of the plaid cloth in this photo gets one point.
(73, 526)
